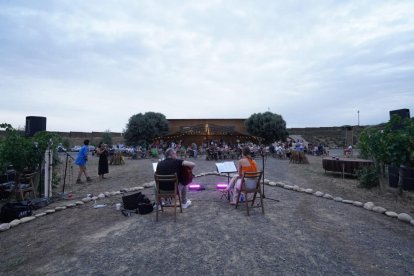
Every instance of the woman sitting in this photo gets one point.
(245, 164)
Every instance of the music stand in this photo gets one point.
(227, 167)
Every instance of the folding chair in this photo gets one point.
(25, 185)
(162, 181)
(250, 184)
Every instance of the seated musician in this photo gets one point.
(171, 165)
(245, 164)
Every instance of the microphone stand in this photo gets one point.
(262, 153)
(66, 168)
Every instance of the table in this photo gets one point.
(344, 165)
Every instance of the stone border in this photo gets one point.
(404, 217)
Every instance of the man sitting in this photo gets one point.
(171, 165)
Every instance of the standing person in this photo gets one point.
(103, 167)
(171, 165)
(245, 164)
(81, 160)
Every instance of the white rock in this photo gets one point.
(4, 227)
(369, 205)
(27, 219)
(86, 199)
(318, 193)
(49, 211)
(309, 191)
(288, 187)
(15, 222)
(347, 201)
(70, 205)
(412, 222)
(271, 183)
(339, 199)
(302, 190)
(391, 214)
(358, 204)
(379, 209)
(117, 193)
(280, 184)
(108, 194)
(101, 196)
(79, 203)
(60, 208)
(327, 196)
(94, 198)
(296, 188)
(266, 181)
(405, 217)
(40, 215)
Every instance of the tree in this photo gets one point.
(107, 137)
(391, 144)
(24, 153)
(269, 126)
(143, 128)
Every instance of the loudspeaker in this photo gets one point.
(34, 124)
(403, 113)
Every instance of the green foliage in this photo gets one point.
(24, 153)
(368, 177)
(269, 126)
(107, 138)
(143, 128)
(66, 143)
(390, 144)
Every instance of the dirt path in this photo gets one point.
(299, 234)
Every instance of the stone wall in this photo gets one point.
(331, 136)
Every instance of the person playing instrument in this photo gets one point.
(103, 167)
(245, 164)
(171, 165)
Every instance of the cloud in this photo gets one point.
(91, 65)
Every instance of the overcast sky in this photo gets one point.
(91, 65)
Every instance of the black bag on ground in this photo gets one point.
(17, 210)
(38, 203)
(131, 201)
(138, 202)
(145, 208)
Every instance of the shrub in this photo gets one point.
(368, 177)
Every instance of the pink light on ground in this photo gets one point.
(194, 186)
(221, 185)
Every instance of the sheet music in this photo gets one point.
(154, 166)
(226, 167)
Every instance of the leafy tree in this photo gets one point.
(107, 137)
(143, 128)
(269, 126)
(391, 144)
(24, 153)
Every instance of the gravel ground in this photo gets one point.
(299, 234)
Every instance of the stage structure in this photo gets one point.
(203, 130)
